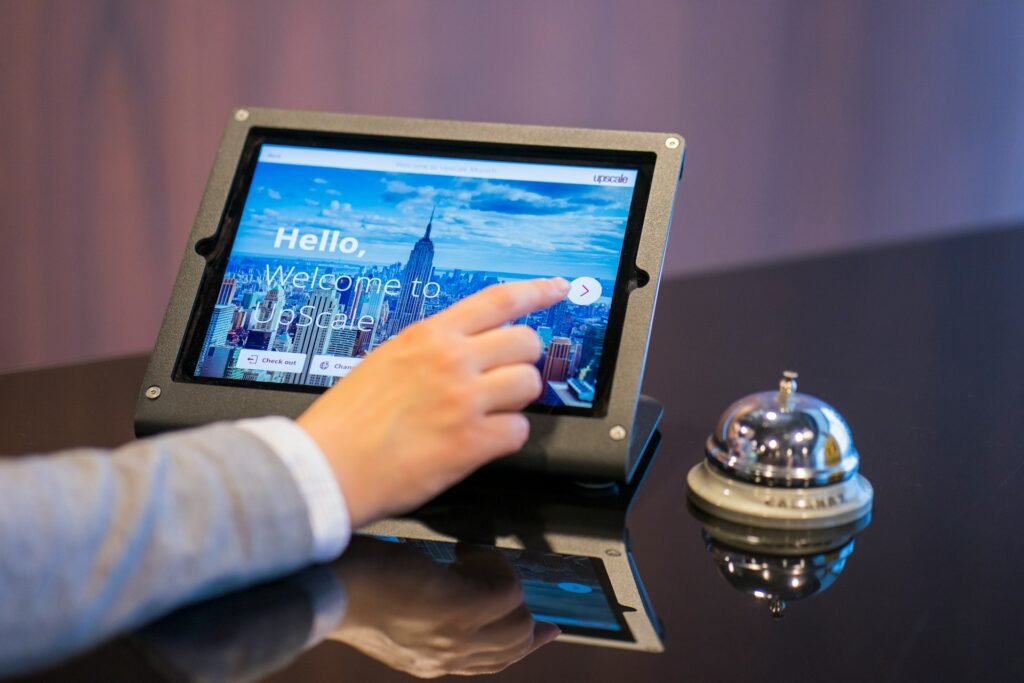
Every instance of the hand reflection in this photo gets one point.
(413, 614)
(429, 619)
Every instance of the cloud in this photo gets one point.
(273, 194)
(319, 181)
(332, 191)
(512, 206)
(397, 187)
(335, 208)
(311, 202)
(502, 198)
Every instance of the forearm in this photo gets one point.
(95, 542)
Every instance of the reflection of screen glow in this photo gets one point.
(561, 589)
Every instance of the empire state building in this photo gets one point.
(415, 275)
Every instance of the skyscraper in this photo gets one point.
(545, 333)
(557, 316)
(231, 369)
(556, 367)
(267, 315)
(370, 300)
(575, 353)
(380, 328)
(593, 344)
(363, 342)
(342, 342)
(217, 361)
(415, 275)
(259, 340)
(310, 339)
(216, 331)
(249, 299)
(227, 291)
(282, 342)
(264, 320)
(348, 299)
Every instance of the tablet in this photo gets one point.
(323, 236)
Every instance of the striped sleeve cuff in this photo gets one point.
(328, 513)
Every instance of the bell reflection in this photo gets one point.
(778, 566)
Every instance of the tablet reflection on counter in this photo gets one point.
(387, 600)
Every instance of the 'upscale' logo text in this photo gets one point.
(620, 179)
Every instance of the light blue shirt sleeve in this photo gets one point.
(328, 513)
(95, 542)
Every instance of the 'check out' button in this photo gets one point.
(274, 361)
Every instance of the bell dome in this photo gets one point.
(783, 439)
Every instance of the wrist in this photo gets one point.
(313, 476)
(344, 468)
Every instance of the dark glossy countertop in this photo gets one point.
(920, 346)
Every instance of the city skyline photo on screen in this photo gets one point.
(337, 252)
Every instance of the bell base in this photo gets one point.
(778, 508)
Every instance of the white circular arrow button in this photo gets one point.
(584, 291)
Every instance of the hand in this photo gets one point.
(435, 402)
(429, 619)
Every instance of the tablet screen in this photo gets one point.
(333, 251)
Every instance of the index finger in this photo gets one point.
(499, 304)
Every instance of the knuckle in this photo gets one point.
(467, 440)
(449, 358)
(502, 297)
(421, 334)
(463, 400)
(534, 343)
(519, 431)
(525, 340)
(532, 380)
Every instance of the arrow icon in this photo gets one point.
(584, 291)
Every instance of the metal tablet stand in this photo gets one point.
(648, 417)
(517, 488)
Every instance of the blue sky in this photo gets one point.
(480, 224)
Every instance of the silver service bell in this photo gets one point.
(783, 460)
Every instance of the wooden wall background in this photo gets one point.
(811, 126)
